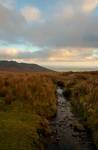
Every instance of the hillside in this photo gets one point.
(28, 101)
(15, 66)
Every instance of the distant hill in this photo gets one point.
(15, 66)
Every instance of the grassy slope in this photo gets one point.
(84, 98)
(26, 101)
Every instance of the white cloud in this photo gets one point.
(68, 12)
(58, 54)
(64, 11)
(70, 54)
(8, 3)
(89, 5)
(8, 53)
(95, 53)
(31, 13)
(69, 28)
(11, 52)
(63, 54)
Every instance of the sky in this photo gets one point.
(53, 33)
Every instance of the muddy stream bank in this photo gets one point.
(67, 131)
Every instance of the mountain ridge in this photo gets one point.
(15, 66)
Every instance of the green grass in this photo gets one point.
(19, 129)
(27, 101)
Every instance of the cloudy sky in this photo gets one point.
(55, 33)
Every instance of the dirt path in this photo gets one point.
(67, 132)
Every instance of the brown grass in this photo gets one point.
(84, 98)
(27, 100)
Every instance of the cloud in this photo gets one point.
(8, 53)
(68, 32)
(79, 31)
(64, 54)
(72, 54)
(86, 57)
(8, 3)
(31, 13)
(64, 11)
(89, 5)
(15, 54)
(66, 26)
(12, 25)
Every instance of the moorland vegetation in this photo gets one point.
(28, 101)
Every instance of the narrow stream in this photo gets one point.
(67, 132)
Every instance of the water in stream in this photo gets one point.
(67, 132)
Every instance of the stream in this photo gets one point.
(67, 131)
